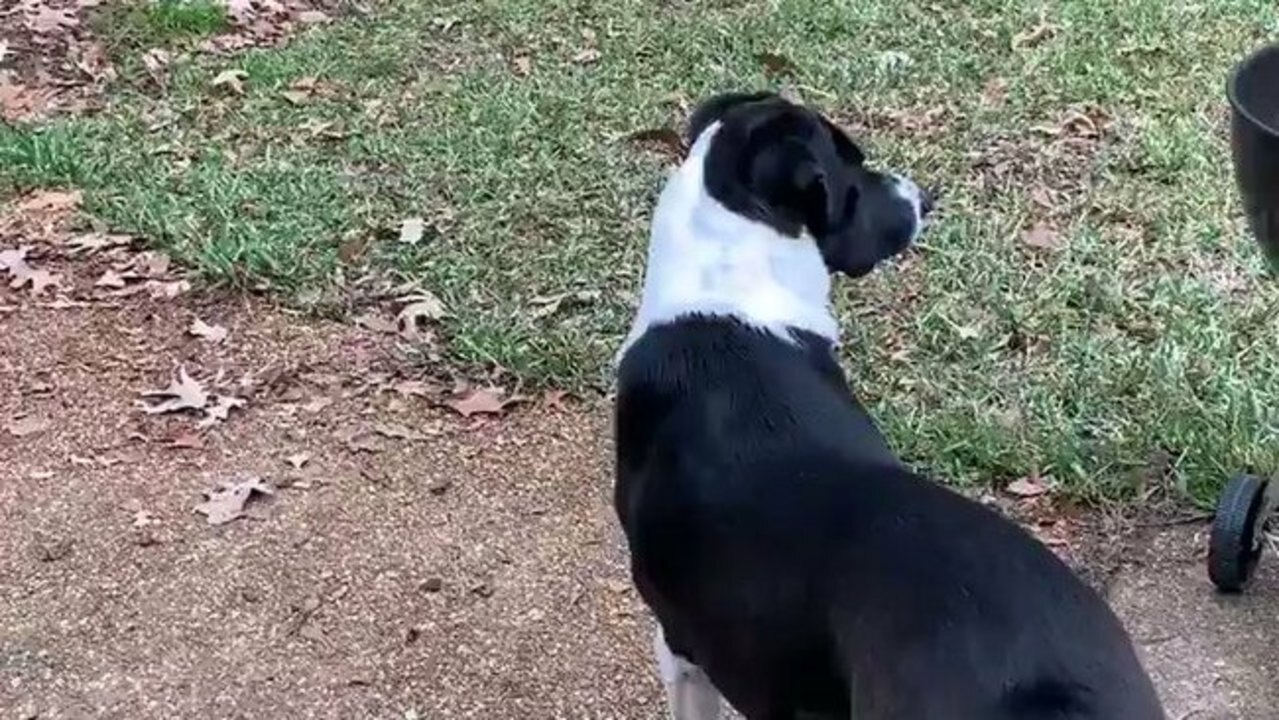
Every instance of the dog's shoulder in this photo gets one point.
(713, 390)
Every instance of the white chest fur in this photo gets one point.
(704, 259)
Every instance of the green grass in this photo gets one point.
(144, 24)
(1146, 347)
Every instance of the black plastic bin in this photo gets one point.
(1254, 99)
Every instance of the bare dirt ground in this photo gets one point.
(471, 571)
(474, 572)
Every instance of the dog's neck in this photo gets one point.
(704, 259)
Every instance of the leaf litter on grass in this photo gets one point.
(1043, 237)
(411, 230)
(414, 319)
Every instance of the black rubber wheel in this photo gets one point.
(1238, 533)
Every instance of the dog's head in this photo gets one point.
(790, 168)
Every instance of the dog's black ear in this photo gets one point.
(844, 145)
(779, 164)
(798, 179)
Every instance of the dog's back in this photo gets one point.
(789, 555)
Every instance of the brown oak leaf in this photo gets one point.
(213, 333)
(227, 501)
(26, 426)
(1043, 237)
(220, 409)
(481, 401)
(231, 81)
(93, 242)
(182, 393)
(1027, 487)
(39, 280)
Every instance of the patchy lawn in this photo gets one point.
(1088, 307)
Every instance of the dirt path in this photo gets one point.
(1213, 657)
(452, 576)
(471, 572)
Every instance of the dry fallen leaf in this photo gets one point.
(110, 279)
(151, 263)
(1034, 35)
(93, 242)
(39, 280)
(19, 102)
(212, 333)
(994, 92)
(13, 257)
(187, 440)
(411, 230)
(166, 290)
(423, 308)
(183, 393)
(317, 405)
(587, 56)
(665, 141)
(776, 64)
(220, 409)
(1027, 487)
(143, 518)
(363, 442)
(241, 12)
(414, 388)
(50, 201)
(481, 401)
(45, 20)
(24, 427)
(231, 81)
(397, 432)
(554, 399)
(156, 61)
(547, 305)
(1042, 236)
(14, 260)
(227, 502)
(353, 246)
(311, 17)
(373, 321)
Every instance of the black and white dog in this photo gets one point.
(796, 568)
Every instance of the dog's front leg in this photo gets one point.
(689, 693)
